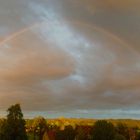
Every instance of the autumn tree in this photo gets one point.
(80, 133)
(39, 127)
(119, 137)
(3, 124)
(69, 133)
(137, 136)
(123, 129)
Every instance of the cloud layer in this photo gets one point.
(88, 69)
(59, 63)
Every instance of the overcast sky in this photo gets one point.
(75, 58)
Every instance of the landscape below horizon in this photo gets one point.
(76, 59)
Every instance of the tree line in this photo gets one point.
(14, 127)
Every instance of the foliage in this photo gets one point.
(69, 133)
(81, 135)
(59, 135)
(39, 127)
(119, 137)
(81, 129)
(122, 129)
(138, 136)
(103, 130)
(3, 123)
(14, 126)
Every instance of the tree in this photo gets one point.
(3, 123)
(45, 136)
(59, 135)
(39, 127)
(69, 133)
(81, 133)
(103, 130)
(119, 137)
(122, 129)
(137, 136)
(15, 126)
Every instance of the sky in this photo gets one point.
(70, 58)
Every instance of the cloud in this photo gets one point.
(121, 5)
(62, 65)
(95, 5)
(88, 69)
(31, 58)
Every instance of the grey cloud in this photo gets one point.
(54, 78)
(70, 59)
(31, 58)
